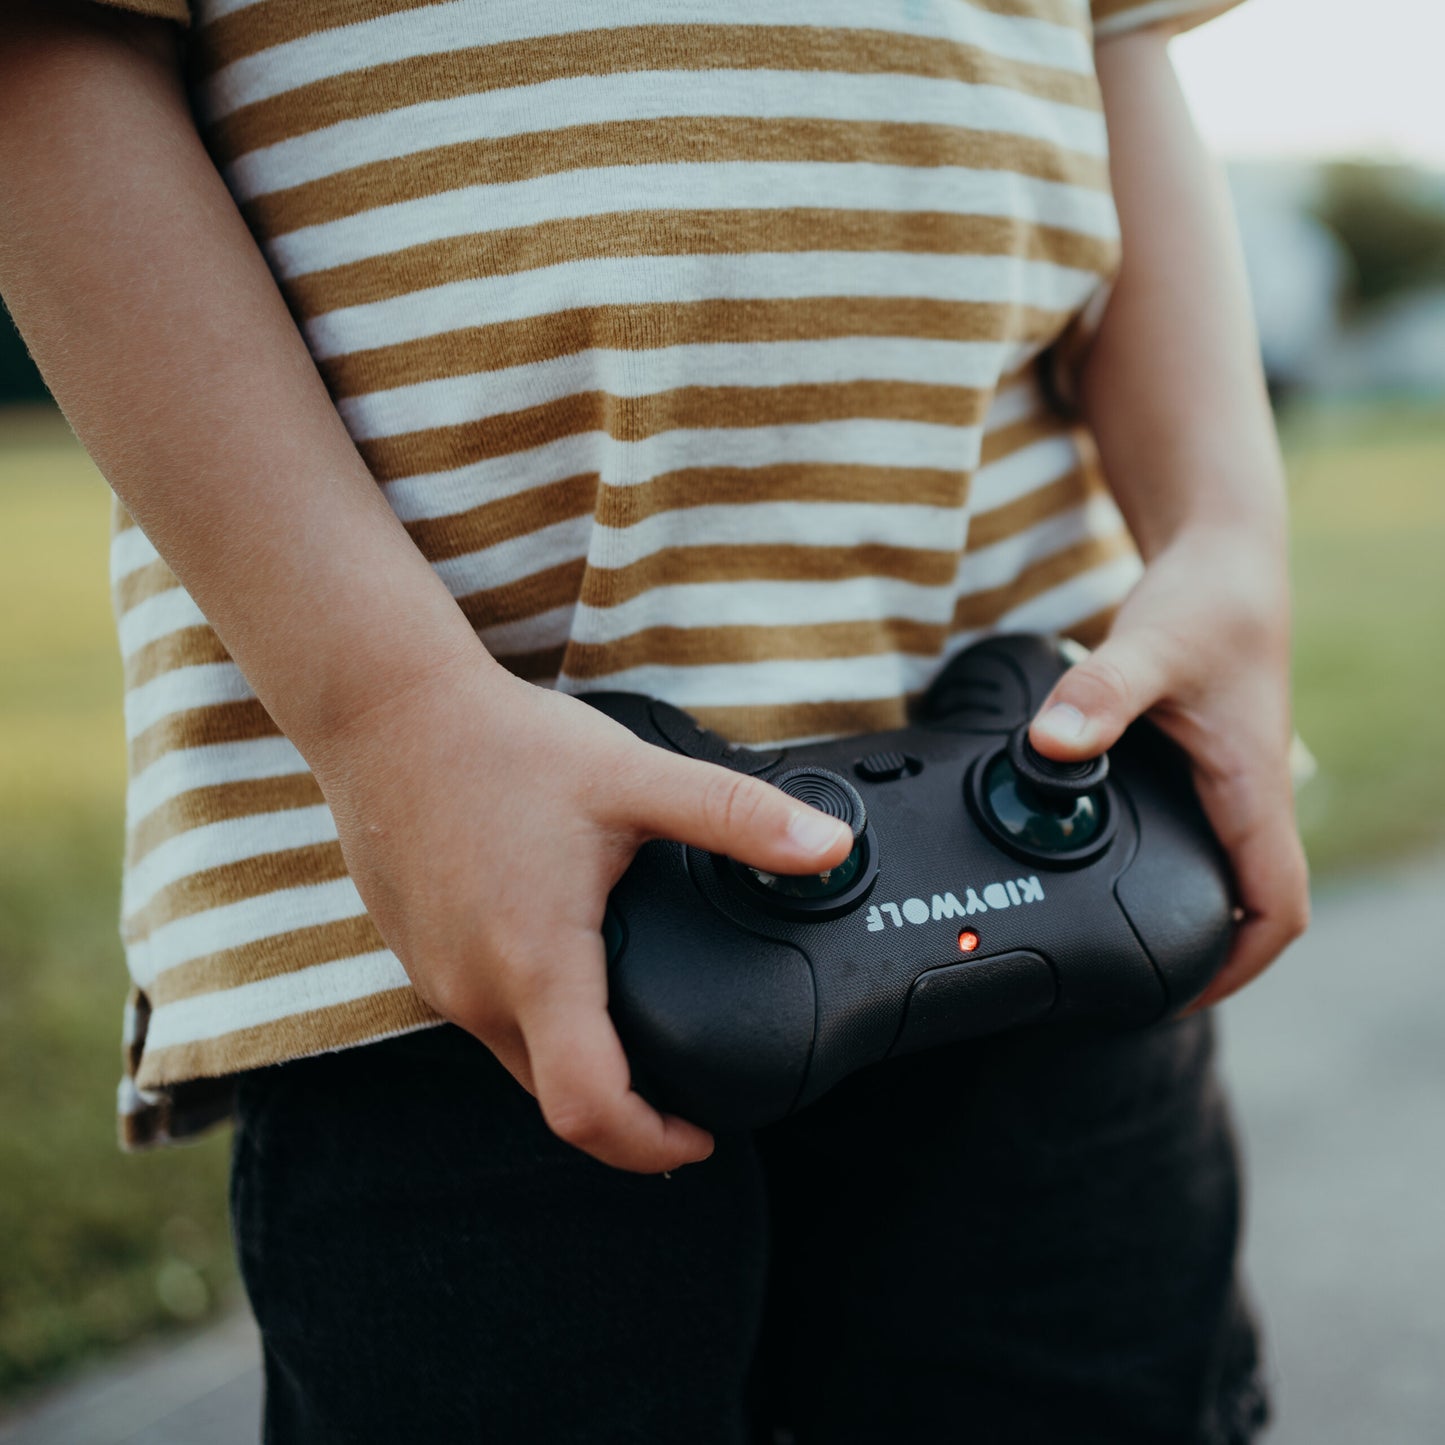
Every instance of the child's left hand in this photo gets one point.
(1202, 646)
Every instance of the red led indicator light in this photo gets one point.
(967, 941)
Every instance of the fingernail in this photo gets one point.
(814, 832)
(1064, 721)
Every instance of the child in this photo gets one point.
(439, 349)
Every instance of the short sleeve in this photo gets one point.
(1118, 17)
(177, 10)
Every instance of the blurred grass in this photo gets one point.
(99, 1248)
(1368, 495)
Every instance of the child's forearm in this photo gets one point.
(1173, 387)
(1174, 392)
(162, 334)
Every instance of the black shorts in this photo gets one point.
(1023, 1241)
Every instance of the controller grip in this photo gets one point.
(725, 1018)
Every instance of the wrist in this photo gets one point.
(1218, 502)
(1236, 572)
(374, 708)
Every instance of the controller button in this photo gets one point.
(886, 767)
(969, 1000)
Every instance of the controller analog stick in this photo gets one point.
(1059, 785)
(829, 793)
(1040, 808)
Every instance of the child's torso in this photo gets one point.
(673, 331)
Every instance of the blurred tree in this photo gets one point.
(19, 380)
(1391, 221)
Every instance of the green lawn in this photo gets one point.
(1368, 490)
(100, 1247)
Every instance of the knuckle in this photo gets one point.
(1297, 918)
(730, 801)
(524, 982)
(1100, 683)
(576, 1120)
(447, 991)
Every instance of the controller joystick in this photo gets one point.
(1062, 895)
(810, 894)
(1057, 784)
(1040, 808)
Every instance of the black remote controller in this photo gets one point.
(989, 888)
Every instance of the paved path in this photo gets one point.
(1338, 1064)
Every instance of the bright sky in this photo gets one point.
(1321, 77)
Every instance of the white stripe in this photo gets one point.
(767, 684)
(517, 557)
(641, 281)
(205, 685)
(531, 634)
(481, 210)
(756, 524)
(157, 616)
(185, 769)
(997, 565)
(1075, 600)
(1021, 472)
(766, 604)
(207, 10)
(233, 925)
(857, 441)
(653, 94)
(438, 29)
(1020, 401)
(130, 1100)
(1160, 10)
(217, 845)
(129, 551)
(454, 400)
(265, 1000)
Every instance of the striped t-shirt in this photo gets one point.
(700, 348)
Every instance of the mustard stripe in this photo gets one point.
(506, 252)
(643, 327)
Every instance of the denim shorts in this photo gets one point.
(1029, 1240)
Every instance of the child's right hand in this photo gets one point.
(485, 821)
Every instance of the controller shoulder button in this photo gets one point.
(693, 740)
(685, 733)
(968, 1000)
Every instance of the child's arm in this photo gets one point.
(1174, 392)
(484, 820)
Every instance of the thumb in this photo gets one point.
(1095, 700)
(713, 807)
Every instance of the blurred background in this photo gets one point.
(1331, 120)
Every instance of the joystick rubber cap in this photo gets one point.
(1060, 784)
(829, 793)
(818, 895)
